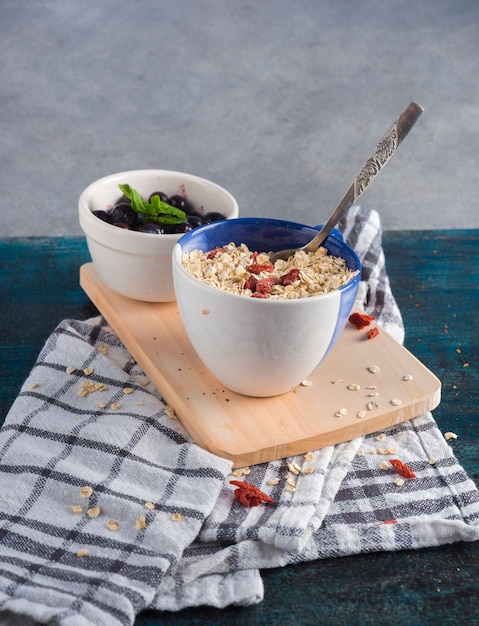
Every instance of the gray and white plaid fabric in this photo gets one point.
(86, 417)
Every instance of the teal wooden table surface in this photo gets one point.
(435, 279)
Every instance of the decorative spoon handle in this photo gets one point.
(386, 148)
(384, 151)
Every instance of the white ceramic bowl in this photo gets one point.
(260, 347)
(135, 264)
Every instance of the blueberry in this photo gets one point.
(169, 229)
(161, 195)
(153, 229)
(179, 202)
(103, 215)
(194, 220)
(213, 216)
(123, 213)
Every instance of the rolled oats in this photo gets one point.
(230, 268)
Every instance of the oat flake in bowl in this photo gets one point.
(238, 270)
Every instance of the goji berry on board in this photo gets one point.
(374, 332)
(361, 320)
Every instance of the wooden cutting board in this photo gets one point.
(254, 430)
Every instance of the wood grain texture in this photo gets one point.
(250, 430)
(434, 277)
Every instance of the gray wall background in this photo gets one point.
(280, 101)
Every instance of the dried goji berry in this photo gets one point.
(257, 268)
(360, 320)
(248, 494)
(291, 277)
(250, 283)
(374, 332)
(402, 469)
(212, 253)
(265, 285)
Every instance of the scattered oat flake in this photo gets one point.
(177, 517)
(341, 412)
(360, 452)
(69, 370)
(432, 461)
(149, 505)
(380, 437)
(372, 406)
(392, 450)
(101, 405)
(407, 377)
(144, 382)
(306, 383)
(127, 390)
(309, 456)
(103, 349)
(384, 465)
(83, 552)
(374, 369)
(76, 509)
(309, 469)
(450, 435)
(140, 522)
(238, 472)
(112, 525)
(33, 385)
(115, 405)
(396, 402)
(371, 387)
(94, 512)
(85, 492)
(354, 387)
(400, 482)
(88, 371)
(361, 413)
(170, 411)
(88, 386)
(294, 468)
(337, 382)
(273, 481)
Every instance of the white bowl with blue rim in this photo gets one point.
(253, 346)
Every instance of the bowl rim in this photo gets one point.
(351, 284)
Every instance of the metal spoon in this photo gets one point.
(384, 151)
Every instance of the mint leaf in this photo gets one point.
(157, 211)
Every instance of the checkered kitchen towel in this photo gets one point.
(107, 507)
